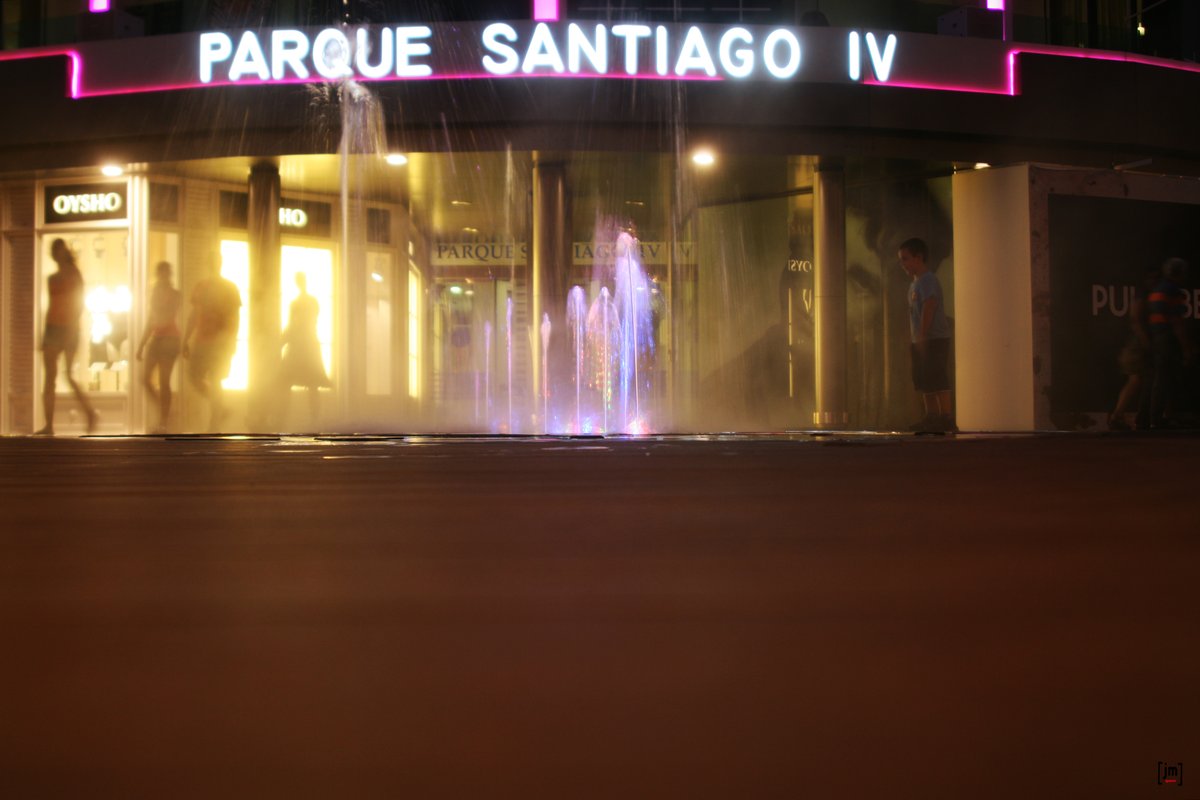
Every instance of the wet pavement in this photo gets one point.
(846, 616)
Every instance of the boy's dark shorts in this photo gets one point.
(929, 372)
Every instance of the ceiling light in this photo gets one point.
(704, 158)
(982, 165)
(397, 159)
(470, 230)
(456, 289)
(460, 202)
(375, 276)
(111, 171)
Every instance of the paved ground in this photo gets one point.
(856, 617)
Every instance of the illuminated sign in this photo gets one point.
(293, 218)
(530, 49)
(86, 203)
(583, 254)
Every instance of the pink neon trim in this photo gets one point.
(458, 76)
(1009, 85)
(545, 10)
(995, 5)
(99, 6)
(936, 87)
(74, 66)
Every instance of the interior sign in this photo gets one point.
(293, 218)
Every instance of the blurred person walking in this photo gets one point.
(302, 363)
(210, 339)
(60, 337)
(1171, 347)
(161, 343)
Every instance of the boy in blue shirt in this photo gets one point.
(930, 333)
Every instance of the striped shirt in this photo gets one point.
(1167, 302)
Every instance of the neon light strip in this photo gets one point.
(1091, 55)
(99, 6)
(74, 66)
(1008, 85)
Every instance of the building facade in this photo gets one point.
(576, 219)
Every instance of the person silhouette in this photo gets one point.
(60, 337)
(302, 363)
(210, 339)
(163, 337)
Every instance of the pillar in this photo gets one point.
(829, 292)
(265, 293)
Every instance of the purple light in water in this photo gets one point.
(545, 10)
(99, 6)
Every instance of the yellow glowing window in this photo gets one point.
(235, 267)
(414, 333)
(316, 264)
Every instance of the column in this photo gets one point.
(265, 297)
(829, 293)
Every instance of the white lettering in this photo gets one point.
(362, 52)
(774, 39)
(661, 64)
(542, 52)
(249, 58)
(855, 57)
(491, 40)
(293, 217)
(740, 62)
(595, 50)
(407, 49)
(694, 54)
(631, 34)
(288, 50)
(882, 64)
(214, 47)
(65, 204)
(331, 54)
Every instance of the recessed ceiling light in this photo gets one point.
(111, 171)
(637, 203)
(470, 230)
(460, 202)
(456, 290)
(704, 158)
(397, 159)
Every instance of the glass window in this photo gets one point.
(102, 256)
(379, 323)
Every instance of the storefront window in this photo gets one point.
(104, 348)
(316, 264)
(235, 267)
(415, 325)
(379, 323)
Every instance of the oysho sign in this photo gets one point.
(87, 203)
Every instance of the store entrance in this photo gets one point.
(316, 264)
